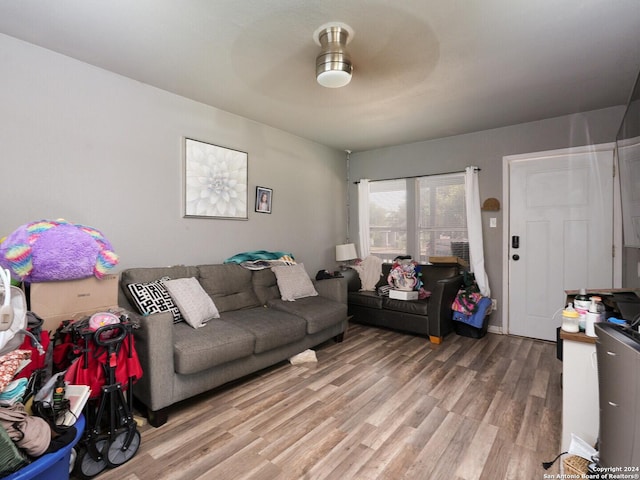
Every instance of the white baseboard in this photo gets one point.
(495, 329)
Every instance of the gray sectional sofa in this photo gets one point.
(256, 329)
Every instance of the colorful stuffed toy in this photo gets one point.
(405, 274)
(50, 250)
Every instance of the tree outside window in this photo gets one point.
(433, 224)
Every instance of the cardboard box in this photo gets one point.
(72, 299)
(403, 294)
(451, 260)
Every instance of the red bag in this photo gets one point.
(67, 346)
(91, 368)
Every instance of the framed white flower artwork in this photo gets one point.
(215, 181)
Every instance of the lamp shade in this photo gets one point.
(346, 252)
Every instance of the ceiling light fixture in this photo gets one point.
(333, 64)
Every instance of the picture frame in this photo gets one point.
(264, 197)
(215, 181)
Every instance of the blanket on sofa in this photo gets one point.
(370, 270)
(261, 259)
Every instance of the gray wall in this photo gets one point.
(84, 144)
(80, 143)
(485, 150)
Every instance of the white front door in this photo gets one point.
(560, 234)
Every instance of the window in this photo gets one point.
(432, 223)
(442, 219)
(388, 218)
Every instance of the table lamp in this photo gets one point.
(345, 252)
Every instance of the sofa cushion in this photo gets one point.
(265, 285)
(149, 274)
(365, 299)
(430, 274)
(415, 307)
(271, 328)
(229, 285)
(194, 303)
(319, 313)
(217, 342)
(294, 282)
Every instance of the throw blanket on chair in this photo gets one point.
(369, 270)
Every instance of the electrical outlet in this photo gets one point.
(494, 304)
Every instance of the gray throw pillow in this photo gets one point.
(294, 282)
(194, 303)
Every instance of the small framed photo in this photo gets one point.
(264, 196)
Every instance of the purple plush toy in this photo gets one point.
(50, 250)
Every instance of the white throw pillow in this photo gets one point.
(194, 303)
(294, 282)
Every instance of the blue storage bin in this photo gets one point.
(52, 466)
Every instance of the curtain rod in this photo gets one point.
(417, 176)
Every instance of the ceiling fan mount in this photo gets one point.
(333, 65)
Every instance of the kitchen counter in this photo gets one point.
(577, 337)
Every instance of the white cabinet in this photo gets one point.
(580, 404)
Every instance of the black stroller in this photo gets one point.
(109, 365)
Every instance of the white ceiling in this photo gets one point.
(422, 68)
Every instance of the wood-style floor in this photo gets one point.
(380, 405)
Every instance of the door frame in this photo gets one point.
(617, 224)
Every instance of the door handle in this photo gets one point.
(515, 241)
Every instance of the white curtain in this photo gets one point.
(363, 218)
(474, 229)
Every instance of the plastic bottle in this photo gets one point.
(58, 392)
(582, 300)
(601, 308)
(570, 319)
(581, 303)
(593, 316)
